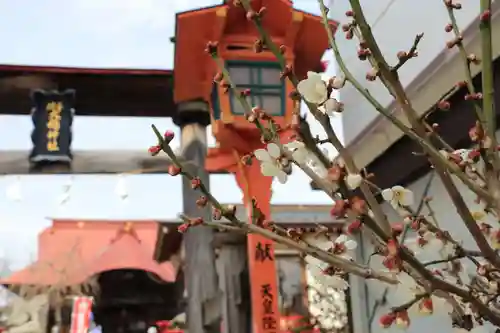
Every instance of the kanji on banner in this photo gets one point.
(52, 116)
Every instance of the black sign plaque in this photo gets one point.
(52, 116)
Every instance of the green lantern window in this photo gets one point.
(263, 80)
(215, 101)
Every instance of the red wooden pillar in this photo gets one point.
(262, 266)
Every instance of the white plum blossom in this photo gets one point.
(465, 155)
(318, 167)
(408, 288)
(304, 156)
(270, 162)
(313, 89)
(353, 181)
(326, 293)
(328, 306)
(343, 246)
(398, 196)
(429, 247)
(316, 267)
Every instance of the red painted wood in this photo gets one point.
(264, 289)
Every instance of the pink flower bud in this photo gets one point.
(339, 208)
(169, 136)
(216, 214)
(393, 247)
(425, 306)
(183, 227)
(251, 14)
(354, 227)
(195, 183)
(196, 221)
(358, 205)
(154, 150)
(202, 201)
(173, 170)
(485, 16)
(337, 82)
(387, 320)
(443, 105)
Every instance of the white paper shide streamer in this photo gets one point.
(66, 192)
(14, 190)
(121, 187)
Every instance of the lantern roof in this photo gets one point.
(194, 68)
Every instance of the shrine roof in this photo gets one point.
(71, 251)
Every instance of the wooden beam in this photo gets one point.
(88, 162)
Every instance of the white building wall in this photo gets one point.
(449, 220)
(395, 24)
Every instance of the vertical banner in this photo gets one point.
(52, 116)
(80, 316)
(261, 261)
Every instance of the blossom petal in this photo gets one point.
(304, 87)
(353, 181)
(295, 145)
(273, 150)
(300, 155)
(324, 244)
(407, 199)
(313, 89)
(341, 239)
(313, 75)
(395, 204)
(331, 105)
(262, 155)
(387, 194)
(338, 283)
(282, 177)
(398, 188)
(351, 244)
(477, 215)
(269, 169)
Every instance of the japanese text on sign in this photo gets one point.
(269, 321)
(54, 110)
(263, 252)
